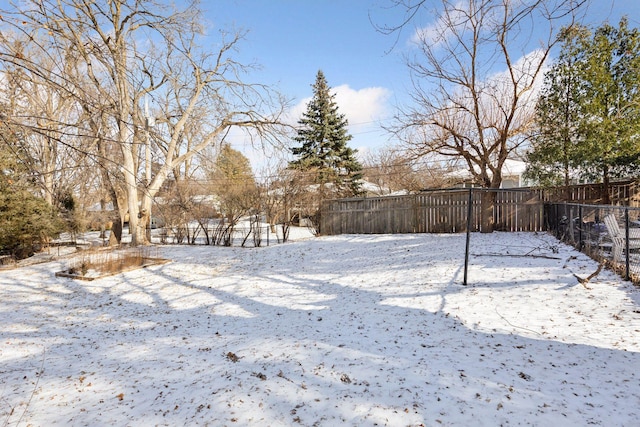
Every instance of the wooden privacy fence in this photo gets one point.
(621, 193)
(442, 211)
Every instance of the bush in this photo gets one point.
(26, 223)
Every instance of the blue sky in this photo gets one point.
(292, 40)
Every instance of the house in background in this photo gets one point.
(374, 190)
(512, 176)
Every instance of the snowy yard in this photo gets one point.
(349, 330)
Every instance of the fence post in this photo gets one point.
(581, 224)
(626, 242)
(414, 213)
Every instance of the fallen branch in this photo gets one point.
(519, 256)
(584, 281)
(515, 326)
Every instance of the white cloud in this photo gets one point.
(364, 109)
(364, 105)
(360, 107)
(453, 19)
(528, 81)
(494, 96)
(429, 35)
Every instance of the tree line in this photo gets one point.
(78, 79)
(118, 99)
(588, 114)
(117, 103)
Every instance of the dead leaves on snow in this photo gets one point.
(259, 375)
(345, 379)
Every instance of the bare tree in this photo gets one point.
(475, 83)
(235, 186)
(393, 170)
(134, 50)
(280, 195)
(45, 116)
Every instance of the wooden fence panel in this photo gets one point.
(622, 193)
(443, 211)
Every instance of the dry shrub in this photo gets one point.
(111, 262)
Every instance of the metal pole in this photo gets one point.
(580, 225)
(466, 252)
(626, 242)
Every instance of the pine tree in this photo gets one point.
(26, 221)
(589, 113)
(323, 152)
(611, 108)
(553, 158)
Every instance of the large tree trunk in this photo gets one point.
(48, 186)
(115, 237)
(486, 211)
(118, 215)
(144, 219)
(489, 197)
(138, 236)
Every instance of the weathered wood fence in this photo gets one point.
(442, 211)
(621, 193)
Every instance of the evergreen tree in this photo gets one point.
(323, 151)
(233, 169)
(589, 112)
(26, 221)
(610, 122)
(234, 182)
(553, 156)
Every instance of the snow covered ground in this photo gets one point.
(348, 330)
